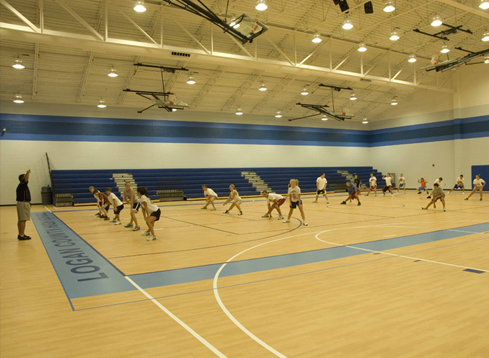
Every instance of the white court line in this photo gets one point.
(179, 321)
(48, 209)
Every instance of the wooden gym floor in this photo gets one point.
(385, 279)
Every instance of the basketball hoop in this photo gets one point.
(345, 111)
(435, 58)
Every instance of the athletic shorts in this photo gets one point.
(458, 187)
(136, 206)
(422, 188)
(402, 185)
(353, 196)
(214, 196)
(439, 198)
(373, 187)
(118, 209)
(321, 191)
(107, 207)
(387, 188)
(294, 204)
(24, 210)
(280, 202)
(156, 214)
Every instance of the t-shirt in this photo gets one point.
(357, 182)
(294, 193)
(479, 182)
(462, 180)
(23, 192)
(423, 184)
(151, 207)
(439, 182)
(402, 180)
(437, 191)
(388, 181)
(352, 189)
(321, 183)
(114, 200)
(373, 181)
(210, 192)
(272, 197)
(135, 198)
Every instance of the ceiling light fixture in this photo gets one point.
(112, 73)
(436, 21)
(324, 118)
(389, 6)
(191, 80)
(353, 97)
(412, 58)
(484, 5)
(262, 88)
(317, 39)
(362, 47)
(365, 121)
(304, 92)
(485, 37)
(278, 114)
(347, 25)
(139, 7)
(486, 59)
(261, 5)
(18, 99)
(101, 103)
(394, 36)
(173, 109)
(239, 112)
(445, 49)
(394, 101)
(18, 64)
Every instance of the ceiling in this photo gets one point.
(71, 46)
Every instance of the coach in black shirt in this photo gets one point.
(23, 204)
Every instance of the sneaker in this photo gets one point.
(419, 192)
(204, 207)
(136, 228)
(106, 218)
(449, 192)
(146, 233)
(117, 223)
(466, 199)
(368, 193)
(97, 214)
(305, 224)
(213, 209)
(226, 212)
(315, 201)
(343, 203)
(240, 213)
(265, 216)
(128, 225)
(112, 220)
(424, 208)
(359, 204)
(327, 202)
(281, 217)
(151, 238)
(444, 209)
(481, 199)
(375, 194)
(22, 238)
(428, 197)
(286, 221)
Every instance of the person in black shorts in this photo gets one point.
(23, 205)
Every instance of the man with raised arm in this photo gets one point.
(23, 205)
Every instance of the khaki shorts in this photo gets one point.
(24, 211)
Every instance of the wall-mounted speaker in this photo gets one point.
(369, 8)
(344, 6)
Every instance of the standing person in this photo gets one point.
(388, 184)
(235, 199)
(437, 193)
(321, 184)
(352, 193)
(373, 184)
(357, 183)
(151, 212)
(117, 204)
(459, 184)
(210, 196)
(91, 189)
(274, 201)
(295, 200)
(103, 202)
(478, 185)
(130, 197)
(438, 181)
(423, 185)
(402, 183)
(23, 205)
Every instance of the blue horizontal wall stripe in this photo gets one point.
(57, 128)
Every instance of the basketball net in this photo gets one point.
(435, 58)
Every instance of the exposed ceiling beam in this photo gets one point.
(207, 87)
(242, 89)
(19, 15)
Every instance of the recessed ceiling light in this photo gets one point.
(112, 73)
(353, 97)
(261, 5)
(394, 36)
(18, 99)
(436, 21)
(304, 92)
(191, 80)
(324, 118)
(362, 47)
(239, 112)
(484, 5)
(139, 7)
(412, 58)
(394, 101)
(389, 6)
(278, 114)
(101, 103)
(262, 88)
(18, 64)
(173, 109)
(365, 121)
(486, 59)
(445, 49)
(347, 25)
(317, 39)
(485, 37)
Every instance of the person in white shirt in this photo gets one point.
(373, 184)
(321, 183)
(388, 183)
(402, 183)
(235, 199)
(274, 201)
(438, 181)
(295, 201)
(478, 185)
(459, 184)
(151, 212)
(130, 197)
(117, 204)
(210, 195)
